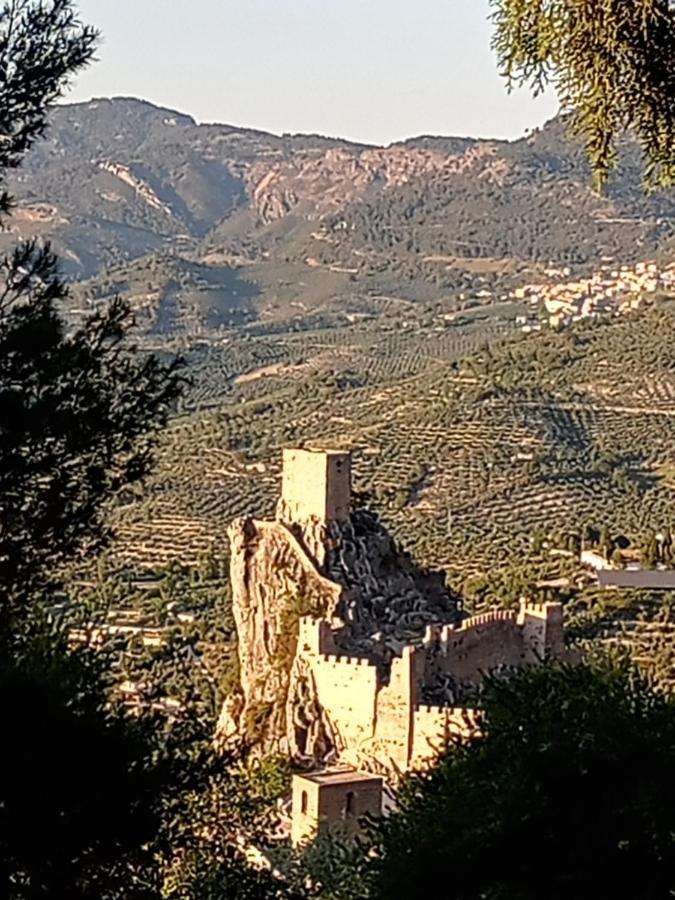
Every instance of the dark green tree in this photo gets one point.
(81, 785)
(76, 404)
(568, 793)
(210, 865)
(610, 63)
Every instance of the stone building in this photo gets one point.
(378, 719)
(350, 653)
(316, 484)
(326, 799)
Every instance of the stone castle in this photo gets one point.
(350, 654)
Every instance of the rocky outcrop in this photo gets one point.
(322, 182)
(274, 582)
(353, 574)
(389, 599)
(310, 733)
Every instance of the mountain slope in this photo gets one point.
(117, 179)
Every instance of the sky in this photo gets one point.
(369, 70)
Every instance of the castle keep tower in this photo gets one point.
(316, 484)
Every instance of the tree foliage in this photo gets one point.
(76, 406)
(610, 62)
(42, 45)
(73, 402)
(81, 786)
(568, 793)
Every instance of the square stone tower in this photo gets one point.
(339, 798)
(316, 484)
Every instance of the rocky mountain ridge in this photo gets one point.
(116, 179)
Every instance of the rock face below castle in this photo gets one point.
(348, 650)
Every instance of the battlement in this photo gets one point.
(315, 636)
(445, 633)
(423, 711)
(369, 714)
(548, 611)
(496, 615)
(354, 661)
(448, 634)
(431, 710)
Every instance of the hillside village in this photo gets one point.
(610, 291)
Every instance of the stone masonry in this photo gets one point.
(378, 721)
(350, 654)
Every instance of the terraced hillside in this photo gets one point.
(467, 441)
(360, 297)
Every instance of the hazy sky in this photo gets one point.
(372, 70)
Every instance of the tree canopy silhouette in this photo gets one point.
(82, 787)
(610, 63)
(74, 402)
(568, 793)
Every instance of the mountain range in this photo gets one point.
(251, 225)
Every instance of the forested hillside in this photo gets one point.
(116, 180)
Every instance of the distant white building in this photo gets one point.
(594, 560)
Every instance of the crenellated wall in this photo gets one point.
(347, 683)
(379, 722)
(347, 689)
(497, 639)
(434, 727)
(380, 719)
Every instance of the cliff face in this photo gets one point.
(352, 573)
(273, 582)
(316, 183)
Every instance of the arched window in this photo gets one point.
(350, 805)
(303, 803)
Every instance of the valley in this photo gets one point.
(379, 299)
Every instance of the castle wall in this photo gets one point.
(346, 686)
(384, 722)
(543, 631)
(501, 638)
(347, 689)
(435, 727)
(394, 710)
(471, 652)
